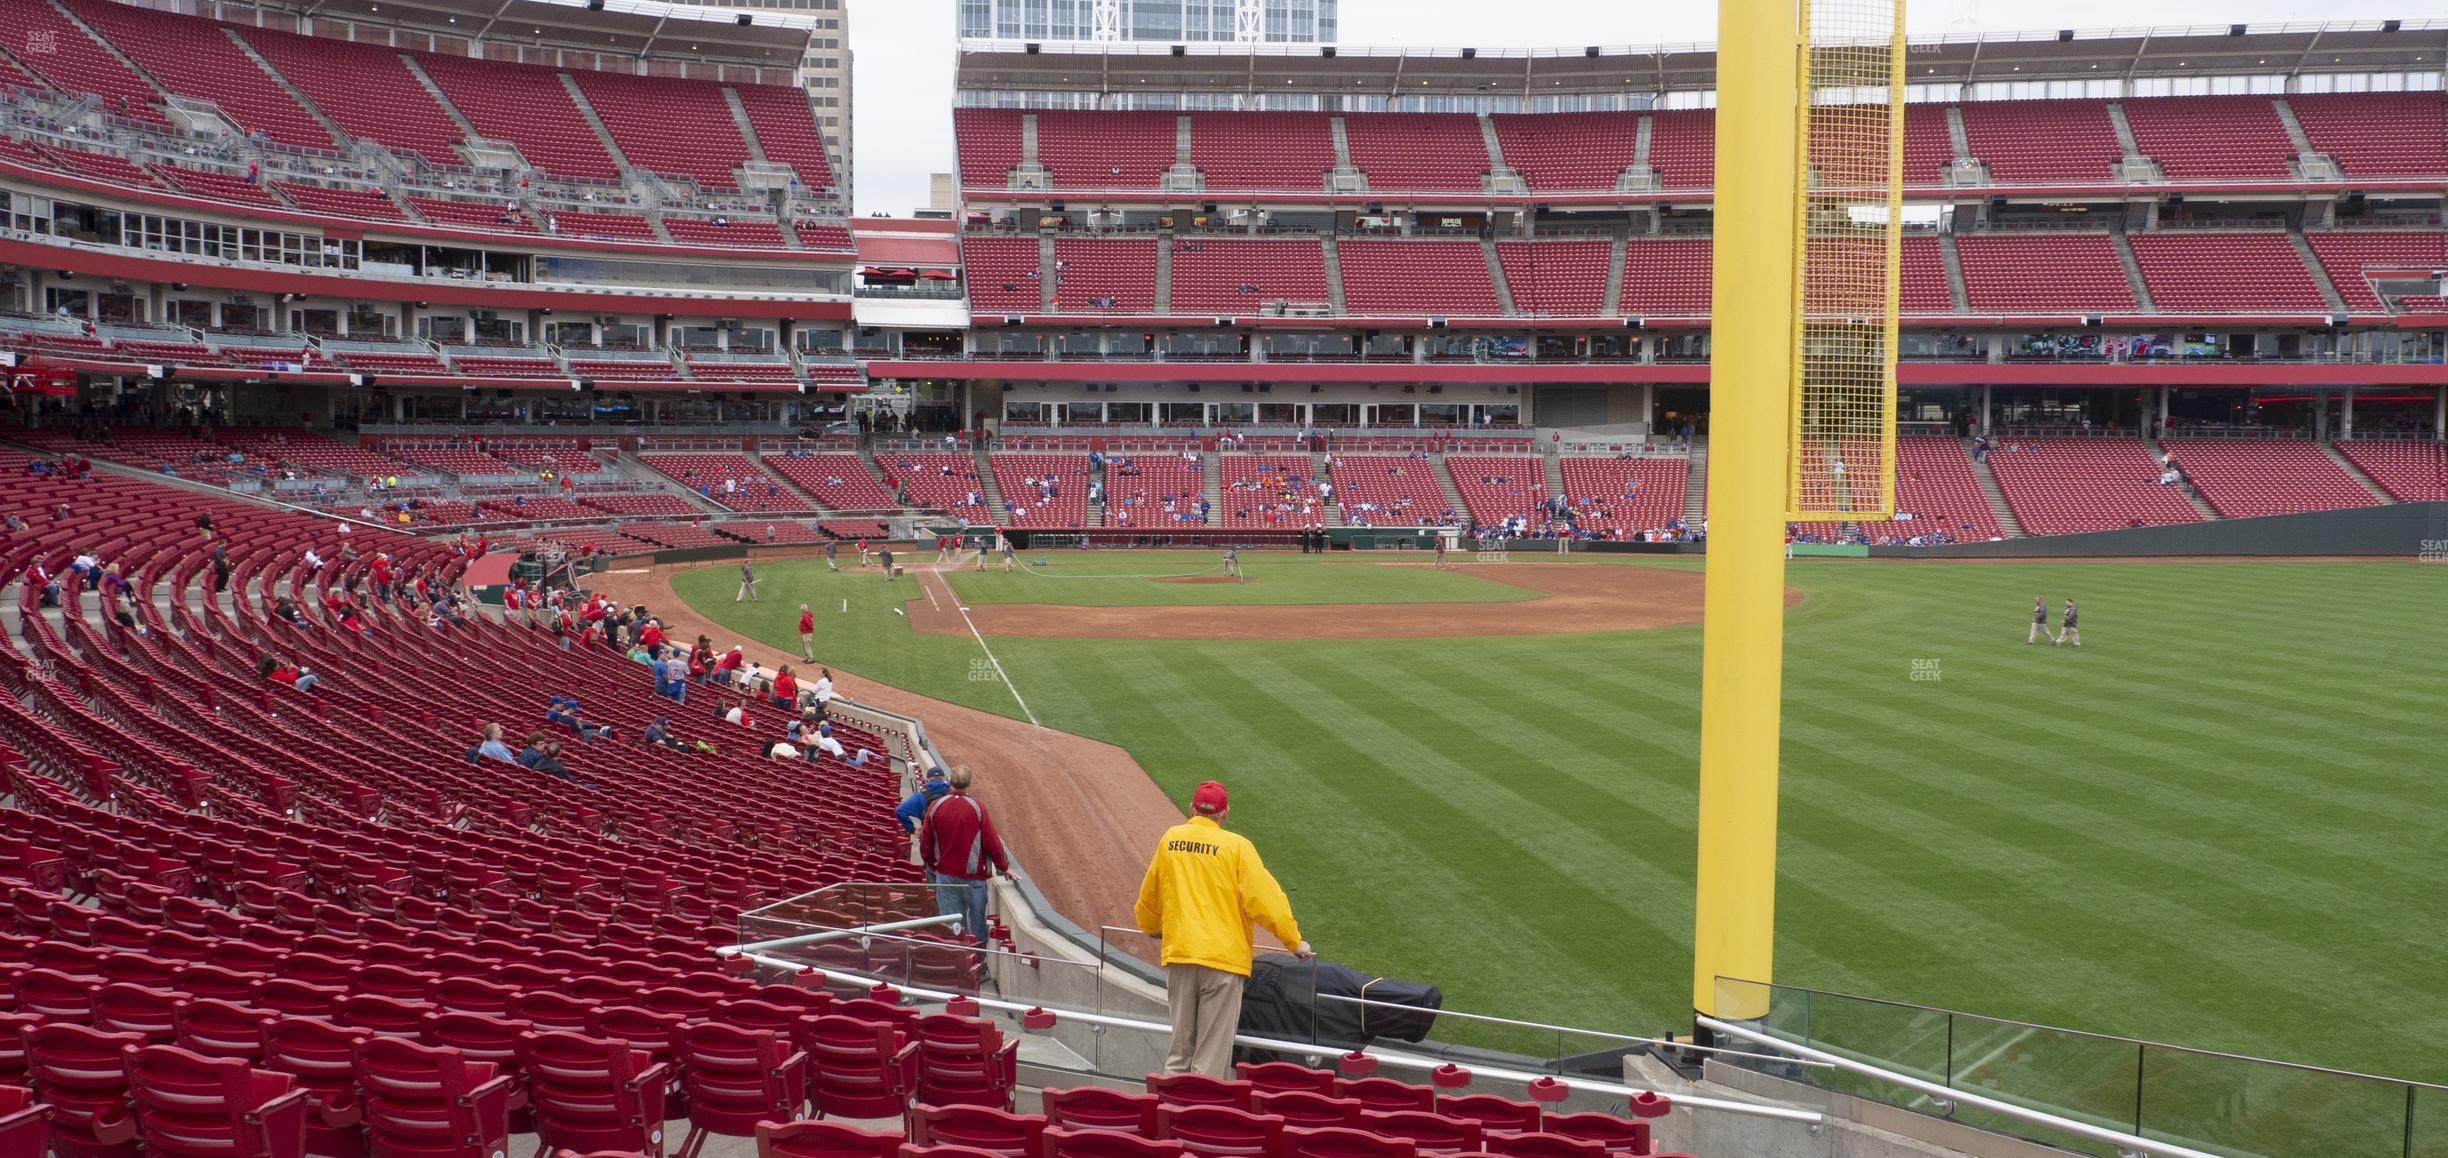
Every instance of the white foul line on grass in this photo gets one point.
(981, 642)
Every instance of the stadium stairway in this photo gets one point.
(1695, 484)
(2319, 272)
(1211, 484)
(987, 487)
(459, 120)
(2159, 453)
(2356, 473)
(1453, 494)
(1317, 461)
(282, 83)
(1956, 293)
(1496, 278)
(2133, 270)
(1997, 499)
(595, 121)
(747, 128)
(1555, 472)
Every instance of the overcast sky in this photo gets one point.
(903, 94)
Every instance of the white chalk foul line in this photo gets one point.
(980, 637)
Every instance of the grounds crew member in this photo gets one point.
(1201, 894)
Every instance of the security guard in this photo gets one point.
(1201, 894)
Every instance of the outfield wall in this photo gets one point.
(2398, 531)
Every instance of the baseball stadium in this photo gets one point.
(1319, 601)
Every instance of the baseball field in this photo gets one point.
(2219, 822)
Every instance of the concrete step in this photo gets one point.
(2355, 472)
(739, 120)
(1997, 499)
(339, 135)
(1453, 494)
(1496, 275)
(603, 132)
(2319, 272)
(467, 128)
(2133, 272)
(1334, 268)
(1954, 267)
(987, 487)
(2158, 452)
(1695, 484)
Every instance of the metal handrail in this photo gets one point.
(1395, 1059)
(2131, 1143)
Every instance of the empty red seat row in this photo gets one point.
(2241, 478)
(2066, 485)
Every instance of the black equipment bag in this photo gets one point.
(1278, 1004)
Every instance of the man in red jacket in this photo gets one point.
(807, 634)
(958, 846)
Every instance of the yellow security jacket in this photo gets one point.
(1203, 891)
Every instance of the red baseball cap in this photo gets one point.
(1209, 799)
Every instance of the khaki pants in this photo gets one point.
(1206, 1008)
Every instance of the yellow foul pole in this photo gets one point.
(1752, 352)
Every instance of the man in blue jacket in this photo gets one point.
(913, 809)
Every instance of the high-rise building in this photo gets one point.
(824, 71)
(1177, 21)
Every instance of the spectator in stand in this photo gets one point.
(738, 715)
(914, 806)
(823, 741)
(492, 748)
(1201, 894)
(786, 688)
(548, 762)
(204, 525)
(38, 578)
(824, 690)
(701, 659)
(286, 673)
(958, 845)
(659, 734)
(780, 750)
(533, 750)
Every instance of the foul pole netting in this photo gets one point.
(1848, 230)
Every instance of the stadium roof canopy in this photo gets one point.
(630, 28)
(2217, 50)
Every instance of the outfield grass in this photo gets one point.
(1076, 579)
(2218, 823)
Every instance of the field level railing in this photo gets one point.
(2092, 1092)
